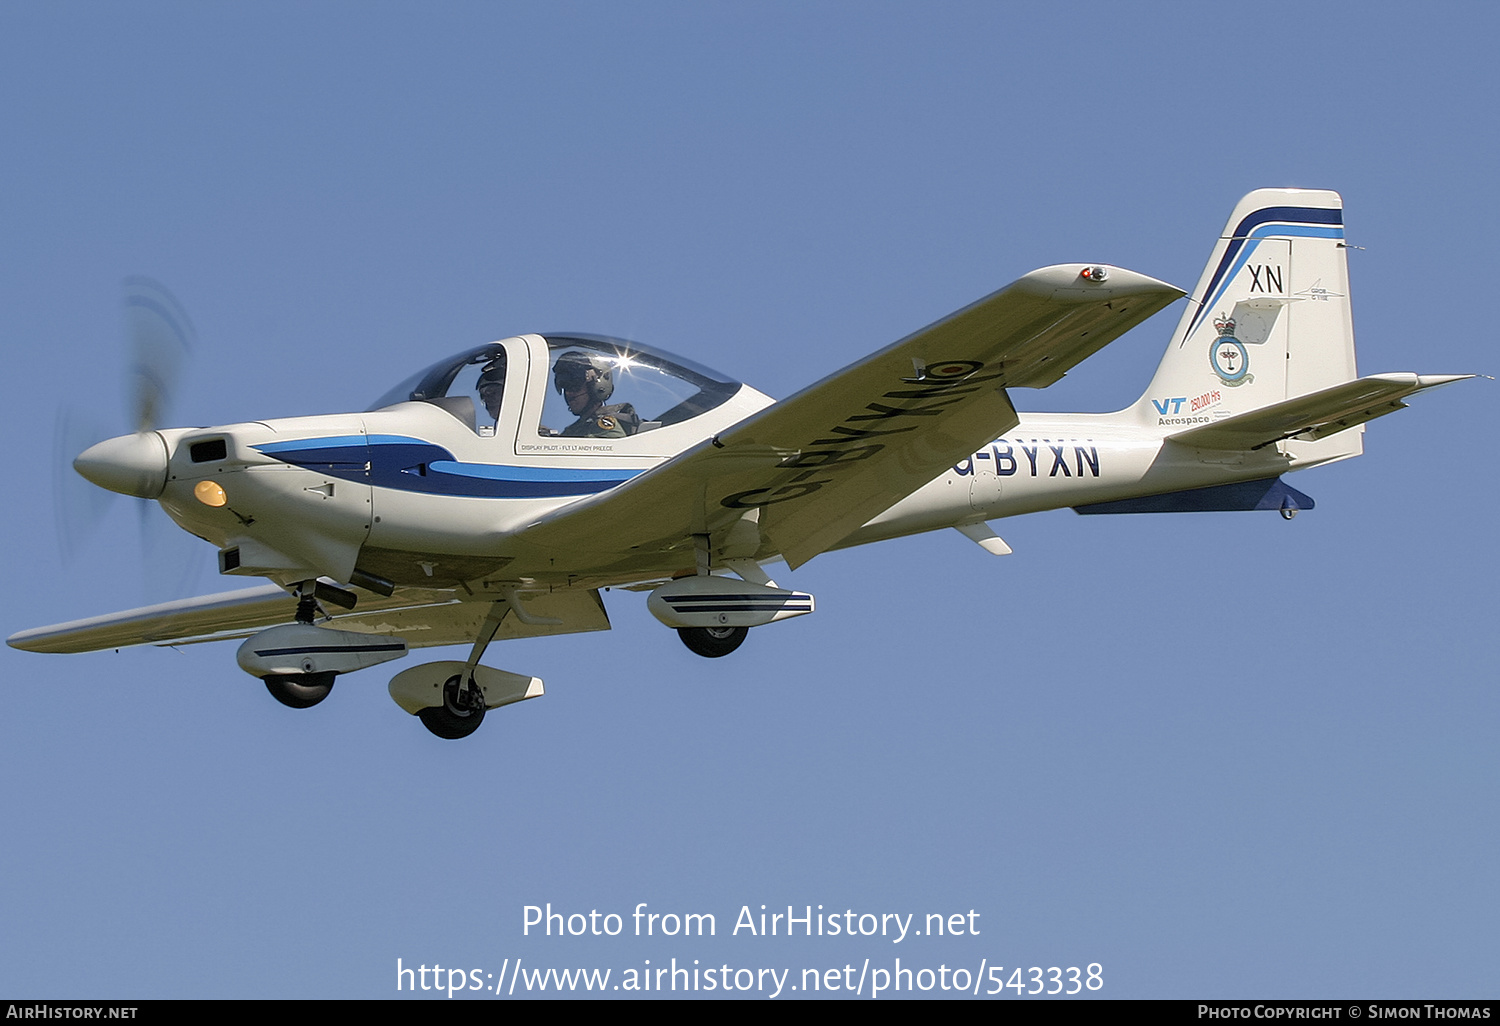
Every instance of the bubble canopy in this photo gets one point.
(665, 389)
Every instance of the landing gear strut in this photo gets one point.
(460, 714)
(713, 642)
(305, 690)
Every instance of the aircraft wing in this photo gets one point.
(810, 470)
(422, 618)
(1315, 415)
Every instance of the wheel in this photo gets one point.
(1287, 512)
(713, 642)
(458, 716)
(299, 690)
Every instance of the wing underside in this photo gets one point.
(422, 618)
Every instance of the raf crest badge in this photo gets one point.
(1227, 355)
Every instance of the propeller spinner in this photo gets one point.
(159, 334)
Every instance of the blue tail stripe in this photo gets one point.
(1268, 222)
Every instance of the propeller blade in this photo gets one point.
(160, 336)
(80, 506)
(172, 561)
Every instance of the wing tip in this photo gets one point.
(1086, 279)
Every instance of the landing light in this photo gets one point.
(1094, 273)
(209, 493)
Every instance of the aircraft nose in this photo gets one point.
(130, 464)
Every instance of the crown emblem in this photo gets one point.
(1227, 355)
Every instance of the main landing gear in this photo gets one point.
(713, 642)
(460, 714)
(462, 710)
(450, 697)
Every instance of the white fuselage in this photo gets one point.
(373, 513)
(1059, 460)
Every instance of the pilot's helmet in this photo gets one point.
(493, 373)
(573, 367)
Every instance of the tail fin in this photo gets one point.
(1268, 321)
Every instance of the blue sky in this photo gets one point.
(1220, 755)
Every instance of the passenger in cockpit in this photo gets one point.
(491, 386)
(585, 383)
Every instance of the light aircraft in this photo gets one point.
(495, 493)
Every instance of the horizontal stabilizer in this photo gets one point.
(1270, 493)
(1316, 415)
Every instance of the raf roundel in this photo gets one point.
(1229, 359)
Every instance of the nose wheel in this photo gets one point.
(713, 642)
(460, 714)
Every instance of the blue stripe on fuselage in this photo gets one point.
(337, 455)
(489, 480)
(412, 465)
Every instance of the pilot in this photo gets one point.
(492, 386)
(585, 382)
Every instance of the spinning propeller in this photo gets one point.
(159, 336)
